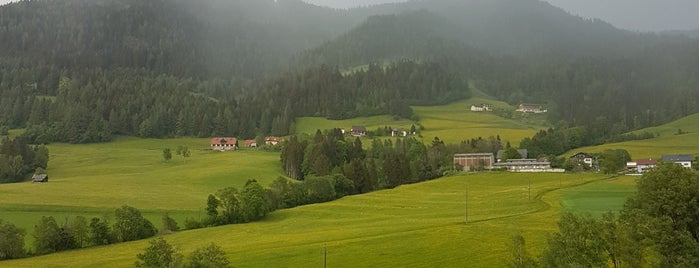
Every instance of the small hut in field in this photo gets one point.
(40, 178)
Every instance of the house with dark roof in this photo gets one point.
(224, 144)
(40, 178)
(684, 160)
(531, 108)
(358, 131)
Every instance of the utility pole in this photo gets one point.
(325, 256)
(466, 203)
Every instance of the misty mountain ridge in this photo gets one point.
(218, 60)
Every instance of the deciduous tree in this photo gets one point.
(11, 241)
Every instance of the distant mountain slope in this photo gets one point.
(240, 38)
(419, 35)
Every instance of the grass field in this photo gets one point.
(91, 180)
(452, 123)
(668, 142)
(411, 226)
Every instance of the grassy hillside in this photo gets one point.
(94, 179)
(452, 123)
(410, 226)
(668, 141)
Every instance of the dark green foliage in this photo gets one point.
(665, 209)
(11, 241)
(212, 204)
(49, 237)
(80, 231)
(159, 254)
(229, 202)
(254, 201)
(613, 161)
(519, 255)
(18, 159)
(319, 190)
(211, 256)
(99, 232)
(167, 154)
(169, 224)
(578, 243)
(130, 225)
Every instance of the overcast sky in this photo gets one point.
(641, 15)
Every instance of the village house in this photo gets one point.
(531, 108)
(224, 144)
(583, 158)
(684, 160)
(272, 140)
(399, 132)
(474, 161)
(641, 165)
(250, 143)
(358, 131)
(483, 107)
(40, 178)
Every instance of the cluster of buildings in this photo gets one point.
(523, 108)
(488, 161)
(642, 165)
(231, 144)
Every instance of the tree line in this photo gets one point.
(51, 236)
(93, 105)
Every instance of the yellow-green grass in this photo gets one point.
(454, 122)
(599, 197)
(309, 125)
(91, 180)
(420, 225)
(668, 142)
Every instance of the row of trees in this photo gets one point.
(50, 236)
(161, 254)
(229, 206)
(656, 228)
(18, 159)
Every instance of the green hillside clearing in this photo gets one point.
(668, 141)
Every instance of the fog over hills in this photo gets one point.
(635, 15)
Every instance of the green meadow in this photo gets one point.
(457, 221)
(668, 140)
(93, 180)
(452, 123)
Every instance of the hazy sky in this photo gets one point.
(643, 15)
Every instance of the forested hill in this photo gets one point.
(521, 28)
(84, 70)
(242, 39)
